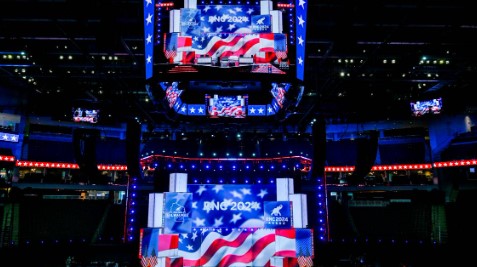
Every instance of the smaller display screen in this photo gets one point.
(230, 106)
(423, 107)
(81, 114)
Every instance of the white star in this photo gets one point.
(5, 137)
(300, 40)
(190, 247)
(148, 2)
(236, 217)
(260, 110)
(14, 138)
(149, 39)
(183, 236)
(245, 191)
(192, 110)
(302, 3)
(300, 61)
(149, 19)
(199, 222)
(218, 188)
(218, 222)
(270, 110)
(183, 109)
(148, 59)
(236, 194)
(201, 189)
(262, 193)
(201, 110)
(252, 110)
(194, 235)
(301, 21)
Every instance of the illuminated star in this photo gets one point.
(192, 110)
(201, 189)
(149, 38)
(236, 194)
(260, 110)
(218, 222)
(149, 19)
(148, 2)
(236, 217)
(300, 61)
(300, 40)
(148, 59)
(218, 188)
(302, 3)
(301, 21)
(199, 222)
(245, 191)
(252, 110)
(262, 193)
(201, 110)
(194, 236)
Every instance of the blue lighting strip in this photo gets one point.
(301, 11)
(321, 205)
(132, 231)
(148, 37)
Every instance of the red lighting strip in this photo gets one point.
(165, 4)
(40, 164)
(284, 5)
(7, 158)
(62, 165)
(396, 167)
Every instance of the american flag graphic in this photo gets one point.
(227, 106)
(170, 53)
(149, 245)
(172, 94)
(223, 31)
(278, 91)
(228, 230)
(149, 261)
(231, 247)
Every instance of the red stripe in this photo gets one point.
(218, 243)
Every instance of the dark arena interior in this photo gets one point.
(291, 133)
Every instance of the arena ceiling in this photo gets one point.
(365, 60)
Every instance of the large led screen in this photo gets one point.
(201, 54)
(233, 37)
